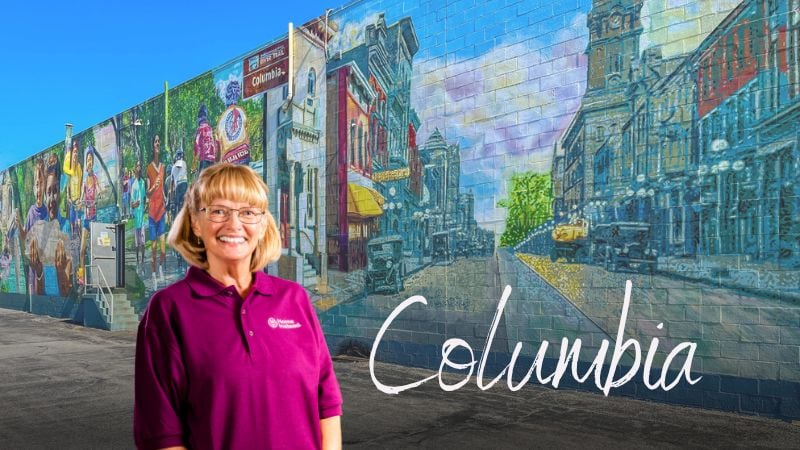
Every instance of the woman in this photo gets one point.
(230, 357)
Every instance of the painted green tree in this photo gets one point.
(184, 102)
(529, 205)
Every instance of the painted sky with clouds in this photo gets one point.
(505, 86)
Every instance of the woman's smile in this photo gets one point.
(233, 240)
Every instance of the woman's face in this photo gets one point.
(89, 163)
(231, 242)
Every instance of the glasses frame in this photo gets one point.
(205, 212)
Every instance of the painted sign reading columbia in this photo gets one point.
(266, 69)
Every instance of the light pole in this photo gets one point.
(737, 167)
(719, 147)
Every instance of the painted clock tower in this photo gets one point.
(614, 31)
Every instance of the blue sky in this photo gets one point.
(84, 61)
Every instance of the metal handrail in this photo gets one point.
(100, 293)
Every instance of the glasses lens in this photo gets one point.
(249, 215)
(223, 214)
(218, 213)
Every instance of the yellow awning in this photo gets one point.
(363, 202)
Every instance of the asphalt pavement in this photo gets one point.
(65, 386)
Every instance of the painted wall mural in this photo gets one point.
(451, 150)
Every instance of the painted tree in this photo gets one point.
(184, 102)
(529, 205)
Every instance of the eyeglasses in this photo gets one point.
(219, 214)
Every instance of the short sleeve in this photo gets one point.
(330, 397)
(159, 382)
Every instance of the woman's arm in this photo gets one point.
(159, 381)
(331, 433)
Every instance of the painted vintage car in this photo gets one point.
(385, 266)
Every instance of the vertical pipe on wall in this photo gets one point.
(68, 138)
(264, 134)
(166, 119)
(291, 65)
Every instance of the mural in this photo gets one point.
(453, 150)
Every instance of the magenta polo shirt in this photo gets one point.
(215, 371)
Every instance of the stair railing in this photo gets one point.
(100, 295)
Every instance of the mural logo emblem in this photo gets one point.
(233, 124)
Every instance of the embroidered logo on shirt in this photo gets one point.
(286, 324)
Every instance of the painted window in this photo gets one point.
(353, 142)
(312, 82)
(729, 57)
(361, 153)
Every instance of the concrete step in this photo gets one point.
(127, 309)
(125, 317)
(309, 275)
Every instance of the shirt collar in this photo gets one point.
(206, 286)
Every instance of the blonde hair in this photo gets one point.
(232, 182)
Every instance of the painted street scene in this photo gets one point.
(449, 150)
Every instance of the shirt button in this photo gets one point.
(251, 334)
(244, 311)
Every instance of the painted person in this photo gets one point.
(75, 172)
(52, 194)
(36, 213)
(179, 182)
(156, 220)
(138, 197)
(126, 196)
(206, 148)
(207, 373)
(234, 143)
(38, 210)
(88, 205)
(5, 263)
(9, 227)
